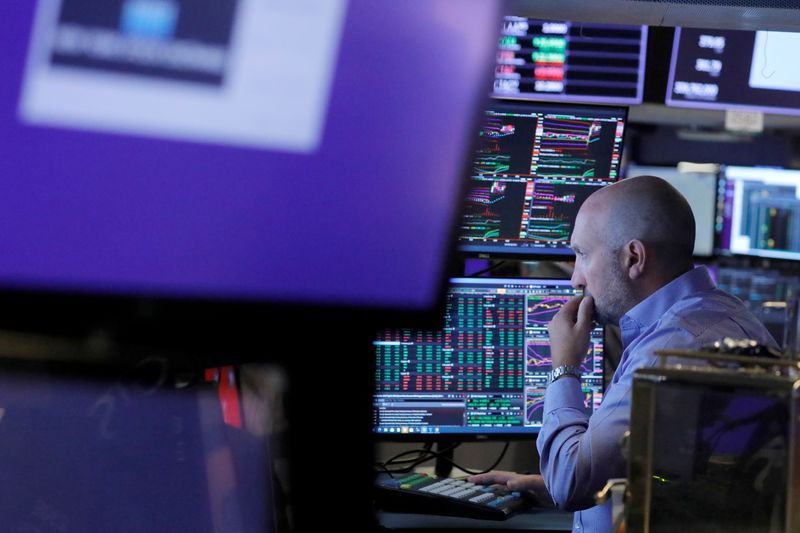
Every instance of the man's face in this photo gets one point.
(598, 268)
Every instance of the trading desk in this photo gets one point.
(425, 515)
(533, 520)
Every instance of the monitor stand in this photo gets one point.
(444, 459)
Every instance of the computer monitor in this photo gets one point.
(570, 61)
(698, 183)
(757, 286)
(120, 449)
(280, 152)
(758, 212)
(484, 373)
(535, 166)
(734, 69)
(767, 292)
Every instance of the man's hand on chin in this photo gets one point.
(569, 331)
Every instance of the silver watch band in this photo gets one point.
(563, 370)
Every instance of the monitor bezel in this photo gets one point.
(526, 253)
(452, 437)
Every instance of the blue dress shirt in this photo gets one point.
(580, 453)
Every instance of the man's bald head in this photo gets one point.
(651, 210)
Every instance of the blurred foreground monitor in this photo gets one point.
(308, 152)
(143, 449)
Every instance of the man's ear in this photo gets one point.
(635, 258)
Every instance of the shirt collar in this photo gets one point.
(652, 308)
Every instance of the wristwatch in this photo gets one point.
(563, 370)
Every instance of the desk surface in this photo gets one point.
(533, 520)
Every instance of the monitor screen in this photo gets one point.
(698, 183)
(758, 286)
(758, 212)
(735, 69)
(113, 452)
(570, 61)
(485, 372)
(534, 167)
(767, 292)
(309, 152)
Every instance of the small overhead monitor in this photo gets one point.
(758, 212)
(570, 61)
(735, 69)
(535, 165)
(484, 373)
(698, 183)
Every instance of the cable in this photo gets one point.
(487, 270)
(426, 449)
(472, 472)
(429, 454)
(764, 68)
(423, 455)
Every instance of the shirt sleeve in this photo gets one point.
(579, 453)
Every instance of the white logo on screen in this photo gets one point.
(146, 67)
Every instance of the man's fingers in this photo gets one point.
(491, 478)
(570, 308)
(530, 483)
(585, 311)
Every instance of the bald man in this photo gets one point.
(633, 244)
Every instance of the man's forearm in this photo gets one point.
(564, 426)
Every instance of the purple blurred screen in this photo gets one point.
(355, 206)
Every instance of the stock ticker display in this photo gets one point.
(575, 61)
(485, 372)
(534, 167)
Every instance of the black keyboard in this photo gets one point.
(420, 493)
